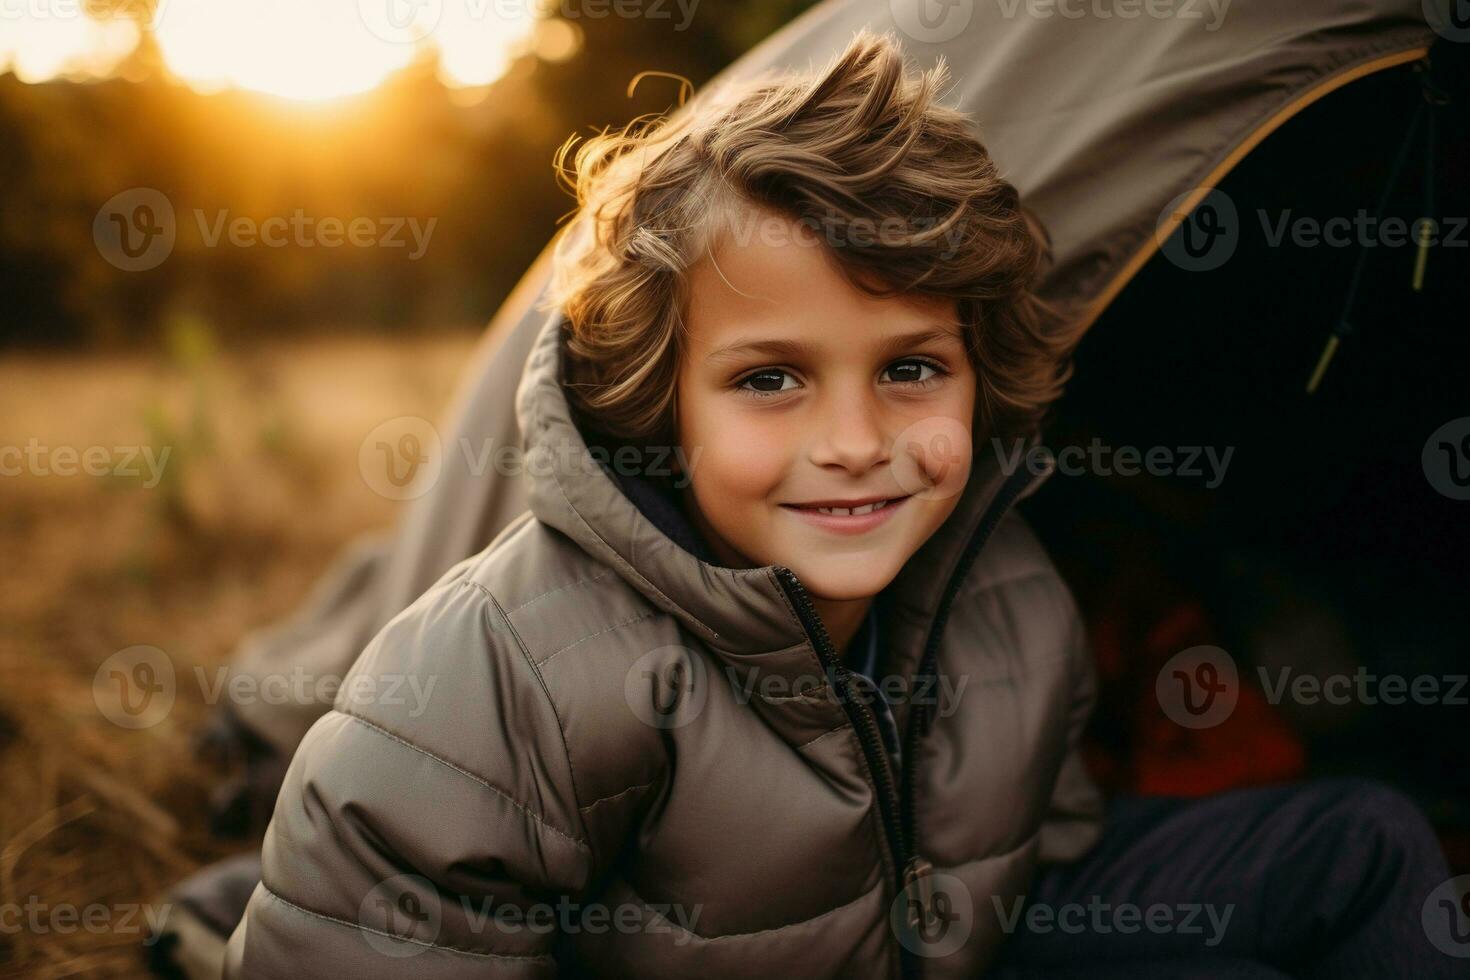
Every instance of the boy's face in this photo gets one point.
(799, 390)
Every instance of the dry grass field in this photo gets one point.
(259, 490)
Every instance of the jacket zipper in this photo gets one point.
(896, 804)
(864, 723)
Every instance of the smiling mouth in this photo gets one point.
(846, 509)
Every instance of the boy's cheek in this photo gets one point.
(932, 458)
(743, 463)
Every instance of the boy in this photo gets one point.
(769, 680)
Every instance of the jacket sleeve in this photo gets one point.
(1074, 817)
(428, 825)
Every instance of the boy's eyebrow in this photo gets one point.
(793, 348)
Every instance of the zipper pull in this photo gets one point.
(1436, 96)
(934, 914)
(918, 890)
(1422, 258)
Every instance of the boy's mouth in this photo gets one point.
(847, 516)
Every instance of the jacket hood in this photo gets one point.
(631, 525)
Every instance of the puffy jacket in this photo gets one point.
(587, 751)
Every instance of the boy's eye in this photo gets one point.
(768, 381)
(773, 381)
(909, 372)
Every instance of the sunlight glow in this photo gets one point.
(39, 48)
(301, 49)
(297, 49)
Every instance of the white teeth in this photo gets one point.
(850, 511)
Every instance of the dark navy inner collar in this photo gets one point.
(661, 506)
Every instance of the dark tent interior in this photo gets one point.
(1324, 550)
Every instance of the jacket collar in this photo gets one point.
(737, 610)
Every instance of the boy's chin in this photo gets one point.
(843, 581)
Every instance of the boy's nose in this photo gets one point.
(850, 435)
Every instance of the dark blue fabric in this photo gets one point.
(863, 660)
(661, 507)
(1324, 880)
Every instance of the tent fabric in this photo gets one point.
(1112, 117)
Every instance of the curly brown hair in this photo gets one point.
(863, 143)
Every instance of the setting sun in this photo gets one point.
(296, 49)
